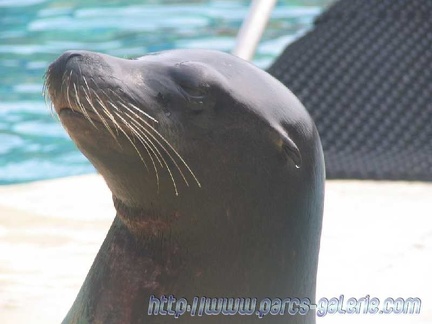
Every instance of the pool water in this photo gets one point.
(33, 33)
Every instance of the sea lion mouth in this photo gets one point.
(94, 119)
(67, 111)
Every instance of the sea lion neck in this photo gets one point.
(115, 280)
(144, 222)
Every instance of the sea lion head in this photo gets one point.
(169, 123)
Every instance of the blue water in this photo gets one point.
(33, 145)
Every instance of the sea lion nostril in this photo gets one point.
(67, 57)
(70, 55)
(60, 64)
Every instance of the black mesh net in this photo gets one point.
(365, 75)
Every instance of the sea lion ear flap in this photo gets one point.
(289, 148)
(292, 151)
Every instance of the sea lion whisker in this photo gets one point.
(160, 144)
(47, 99)
(109, 113)
(124, 105)
(87, 94)
(52, 112)
(102, 119)
(134, 146)
(144, 113)
(68, 89)
(164, 149)
(143, 133)
(147, 147)
(112, 118)
(143, 142)
(64, 78)
(105, 110)
(99, 99)
(45, 92)
(139, 111)
(134, 113)
(168, 168)
(169, 145)
(44, 87)
(87, 97)
(86, 83)
(81, 107)
(176, 153)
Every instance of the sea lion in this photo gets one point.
(217, 176)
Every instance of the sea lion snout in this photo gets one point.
(64, 74)
(55, 79)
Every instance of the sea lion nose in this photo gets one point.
(66, 56)
(63, 59)
(55, 76)
(58, 67)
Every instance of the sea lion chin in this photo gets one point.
(217, 176)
